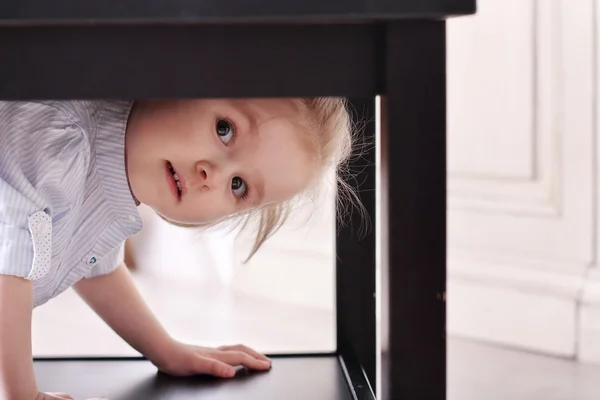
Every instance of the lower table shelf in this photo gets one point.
(322, 377)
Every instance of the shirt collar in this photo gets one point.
(110, 161)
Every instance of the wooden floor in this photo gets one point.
(478, 371)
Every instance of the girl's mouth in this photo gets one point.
(174, 181)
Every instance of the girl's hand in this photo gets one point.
(53, 396)
(184, 359)
(57, 396)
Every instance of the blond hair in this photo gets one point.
(328, 127)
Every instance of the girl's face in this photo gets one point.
(228, 156)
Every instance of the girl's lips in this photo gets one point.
(171, 182)
(182, 185)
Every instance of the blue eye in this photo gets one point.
(239, 188)
(225, 131)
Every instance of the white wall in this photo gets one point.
(522, 176)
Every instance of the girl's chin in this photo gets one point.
(166, 216)
(173, 219)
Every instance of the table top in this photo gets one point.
(71, 49)
(21, 12)
(291, 378)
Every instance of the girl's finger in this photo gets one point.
(248, 350)
(212, 366)
(61, 395)
(241, 358)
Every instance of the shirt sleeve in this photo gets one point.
(42, 155)
(16, 244)
(109, 262)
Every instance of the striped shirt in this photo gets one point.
(65, 203)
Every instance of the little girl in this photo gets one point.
(72, 174)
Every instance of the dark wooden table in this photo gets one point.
(361, 49)
(292, 378)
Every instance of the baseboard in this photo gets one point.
(589, 320)
(515, 303)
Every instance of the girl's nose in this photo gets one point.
(207, 175)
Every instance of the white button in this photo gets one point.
(132, 218)
(43, 227)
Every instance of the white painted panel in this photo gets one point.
(551, 215)
(521, 244)
(536, 193)
(491, 90)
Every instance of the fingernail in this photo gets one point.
(266, 363)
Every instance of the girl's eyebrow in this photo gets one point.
(258, 184)
(250, 118)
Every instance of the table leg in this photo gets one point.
(413, 211)
(355, 249)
